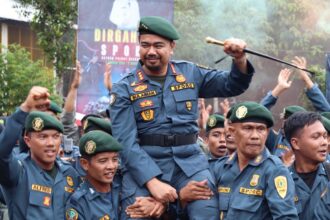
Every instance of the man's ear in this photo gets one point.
(84, 163)
(27, 140)
(231, 129)
(173, 45)
(295, 143)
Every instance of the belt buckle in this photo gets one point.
(169, 140)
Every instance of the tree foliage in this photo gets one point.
(53, 23)
(17, 76)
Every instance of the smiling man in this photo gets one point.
(98, 196)
(154, 116)
(308, 139)
(252, 183)
(36, 184)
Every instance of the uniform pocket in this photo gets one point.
(186, 104)
(247, 203)
(146, 110)
(40, 199)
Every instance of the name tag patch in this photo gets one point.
(182, 86)
(143, 95)
(255, 192)
(40, 188)
(223, 189)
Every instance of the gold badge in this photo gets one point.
(106, 217)
(71, 214)
(241, 112)
(90, 147)
(46, 201)
(69, 180)
(180, 78)
(112, 99)
(189, 105)
(146, 103)
(140, 88)
(254, 180)
(148, 115)
(212, 121)
(38, 124)
(281, 185)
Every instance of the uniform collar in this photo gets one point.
(260, 158)
(141, 76)
(320, 171)
(255, 162)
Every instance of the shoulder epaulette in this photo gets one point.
(77, 195)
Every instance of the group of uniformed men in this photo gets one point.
(147, 163)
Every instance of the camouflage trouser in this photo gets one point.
(3, 212)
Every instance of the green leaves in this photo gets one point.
(52, 22)
(17, 76)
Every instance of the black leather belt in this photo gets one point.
(167, 140)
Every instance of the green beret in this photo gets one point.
(95, 142)
(158, 26)
(94, 123)
(326, 123)
(215, 121)
(326, 114)
(292, 109)
(54, 108)
(250, 111)
(39, 121)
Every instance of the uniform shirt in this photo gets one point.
(264, 189)
(276, 142)
(307, 198)
(141, 106)
(30, 193)
(87, 203)
(322, 208)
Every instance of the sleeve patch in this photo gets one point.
(281, 185)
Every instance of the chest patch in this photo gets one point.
(182, 86)
(143, 95)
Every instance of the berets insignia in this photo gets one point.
(90, 147)
(241, 112)
(140, 88)
(71, 214)
(254, 180)
(189, 105)
(147, 115)
(212, 121)
(180, 78)
(46, 201)
(112, 99)
(38, 124)
(69, 180)
(146, 103)
(281, 186)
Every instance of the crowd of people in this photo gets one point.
(159, 153)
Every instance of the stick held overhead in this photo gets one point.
(211, 40)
